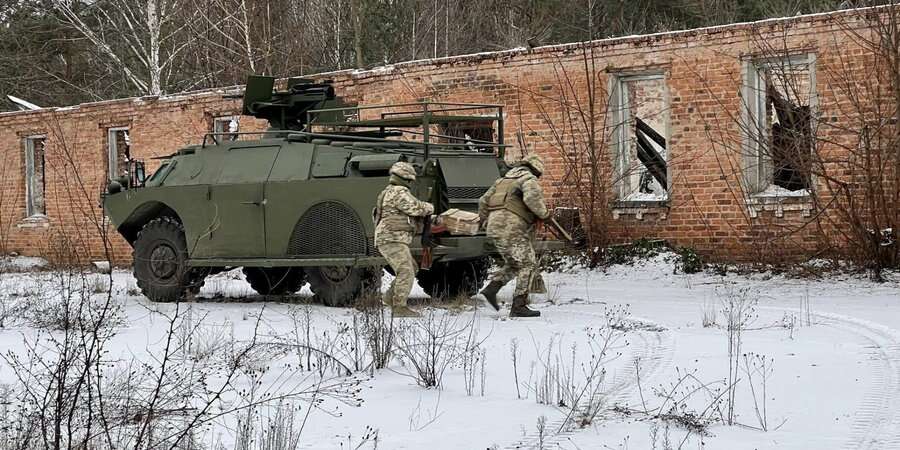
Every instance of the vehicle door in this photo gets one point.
(239, 202)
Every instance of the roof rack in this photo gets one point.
(391, 119)
(229, 136)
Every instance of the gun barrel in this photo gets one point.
(555, 226)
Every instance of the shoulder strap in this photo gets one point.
(379, 207)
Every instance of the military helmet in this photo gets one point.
(536, 164)
(403, 170)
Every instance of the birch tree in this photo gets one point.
(139, 37)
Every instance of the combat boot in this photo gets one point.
(520, 308)
(404, 311)
(490, 293)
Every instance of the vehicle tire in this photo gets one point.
(342, 285)
(455, 278)
(160, 262)
(275, 280)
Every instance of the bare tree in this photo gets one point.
(140, 38)
(811, 185)
(578, 133)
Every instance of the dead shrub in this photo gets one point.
(431, 344)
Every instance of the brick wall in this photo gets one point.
(702, 70)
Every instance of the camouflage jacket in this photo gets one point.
(526, 196)
(397, 215)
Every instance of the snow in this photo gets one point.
(638, 196)
(380, 70)
(21, 263)
(834, 342)
(775, 191)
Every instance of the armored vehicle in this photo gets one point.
(294, 204)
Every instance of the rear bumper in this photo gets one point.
(462, 247)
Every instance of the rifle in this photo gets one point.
(558, 230)
(427, 244)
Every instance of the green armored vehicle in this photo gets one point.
(294, 204)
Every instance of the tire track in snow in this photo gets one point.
(877, 421)
(654, 352)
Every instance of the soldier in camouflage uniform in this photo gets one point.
(512, 206)
(397, 215)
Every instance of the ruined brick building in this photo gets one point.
(682, 129)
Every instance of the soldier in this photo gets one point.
(397, 215)
(512, 206)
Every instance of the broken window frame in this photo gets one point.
(624, 130)
(112, 151)
(473, 134)
(220, 125)
(32, 207)
(758, 165)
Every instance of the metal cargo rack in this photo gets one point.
(390, 122)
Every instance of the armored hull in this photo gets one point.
(295, 204)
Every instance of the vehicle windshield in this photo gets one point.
(159, 172)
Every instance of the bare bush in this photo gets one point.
(473, 360)
(433, 343)
(739, 311)
(541, 432)
(12, 307)
(806, 314)
(72, 391)
(575, 110)
(575, 382)
(363, 342)
(710, 314)
(67, 300)
(317, 350)
(98, 284)
(515, 355)
(688, 403)
(758, 369)
(693, 404)
(70, 396)
(276, 430)
(419, 418)
(200, 341)
(368, 440)
(378, 329)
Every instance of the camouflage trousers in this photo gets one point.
(401, 260)
(512, 237)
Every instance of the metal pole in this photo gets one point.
(426, 129)
(501, 151)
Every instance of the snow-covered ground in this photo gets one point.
(648, 349)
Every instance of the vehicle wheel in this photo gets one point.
(453, 279)
(341, 285)
(275, 280)
(160, 262)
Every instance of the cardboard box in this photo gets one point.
(459, 222)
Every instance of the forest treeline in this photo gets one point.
(62, 52)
